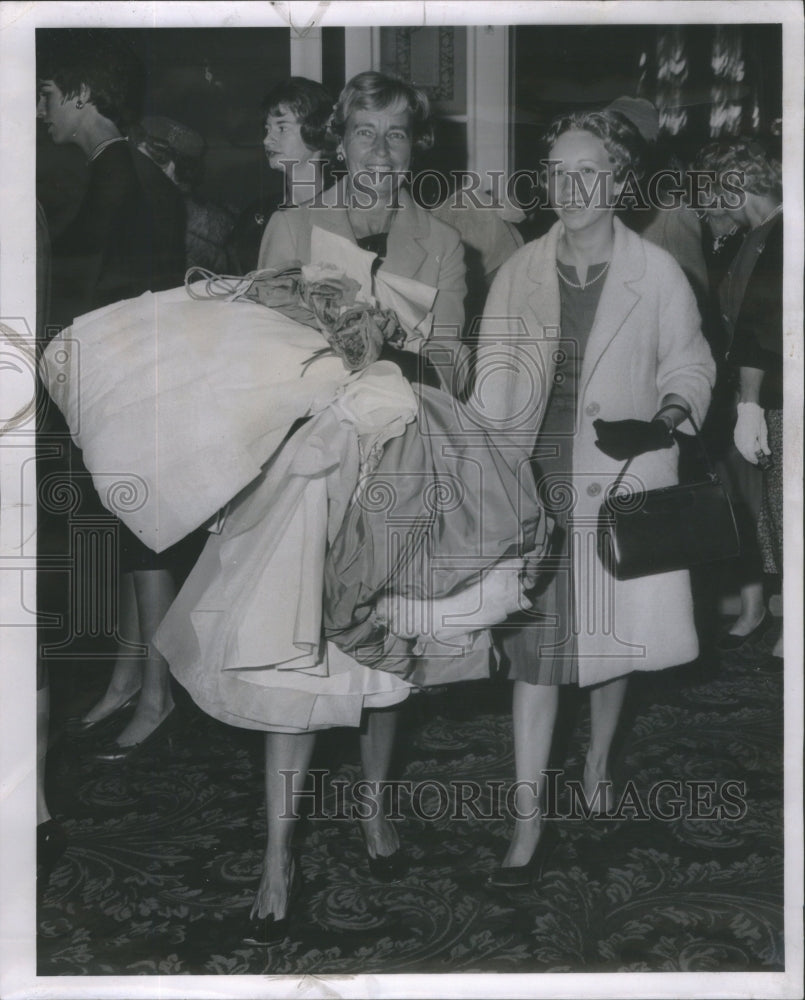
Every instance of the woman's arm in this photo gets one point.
(685, 373)
(751, 434)
(280, 243)
(685, 366)
(673, 410)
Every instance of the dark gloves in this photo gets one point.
(624, 439)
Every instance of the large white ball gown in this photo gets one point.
(364, 531)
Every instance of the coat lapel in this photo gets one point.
(618, 298)
(408, 238)
(543, 299)
(544, 308)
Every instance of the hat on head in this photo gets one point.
(641, 113)
(169, 136)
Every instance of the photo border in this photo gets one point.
(17, 514)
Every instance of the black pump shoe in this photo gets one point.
(263, 931)
(77, 727)
(267, 930)
(388, 868)
(113, 752)
(385, 867)
(51, 843)
(729, 641)
(522, 876)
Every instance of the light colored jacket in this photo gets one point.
(645, 342)
(419, 246)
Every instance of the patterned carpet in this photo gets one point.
(164, 853)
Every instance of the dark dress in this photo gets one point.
(752, 298)
(126, 238)
(540, 645)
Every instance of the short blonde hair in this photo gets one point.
(620, 136)
(372, 91)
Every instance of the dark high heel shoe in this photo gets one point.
(263, 931)
(113, 752)
(386, 867)
(729, 641)
(51, 843)
(522, 876)
(268, 930)
(76, 727)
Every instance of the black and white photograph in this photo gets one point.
(401, 499)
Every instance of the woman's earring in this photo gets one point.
(79, 103)
(339, 156)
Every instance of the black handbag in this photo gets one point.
(643, 532)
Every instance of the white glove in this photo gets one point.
(750, 434)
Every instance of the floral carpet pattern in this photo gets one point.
(165, 851)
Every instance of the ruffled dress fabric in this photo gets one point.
(177, 403)
(314, 597)
(432, 532)
(244, 635)
(445, 515)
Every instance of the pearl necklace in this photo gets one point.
(576, 284)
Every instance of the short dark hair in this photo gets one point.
(372, 91)
(763, 174)
(308, 102)
(621, 138)
(100, 59)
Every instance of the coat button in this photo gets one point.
(593, 489)
(592, 409)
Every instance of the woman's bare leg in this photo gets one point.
(154, 591)
(283, 752)
(606, 701)
(753, 607)
(534, 708)
(377, 746)
(127, 674)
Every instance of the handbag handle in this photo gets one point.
(708, 464)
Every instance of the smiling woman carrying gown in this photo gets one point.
(370, 530)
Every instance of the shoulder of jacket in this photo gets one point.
(662, 271)
(523, 258)
(441, 227)
(435, 227)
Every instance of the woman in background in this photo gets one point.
(601, 358)
(179, 153)
(296, 115)
(126, 238)
(751, 297)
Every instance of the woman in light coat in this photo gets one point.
(591, 345)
